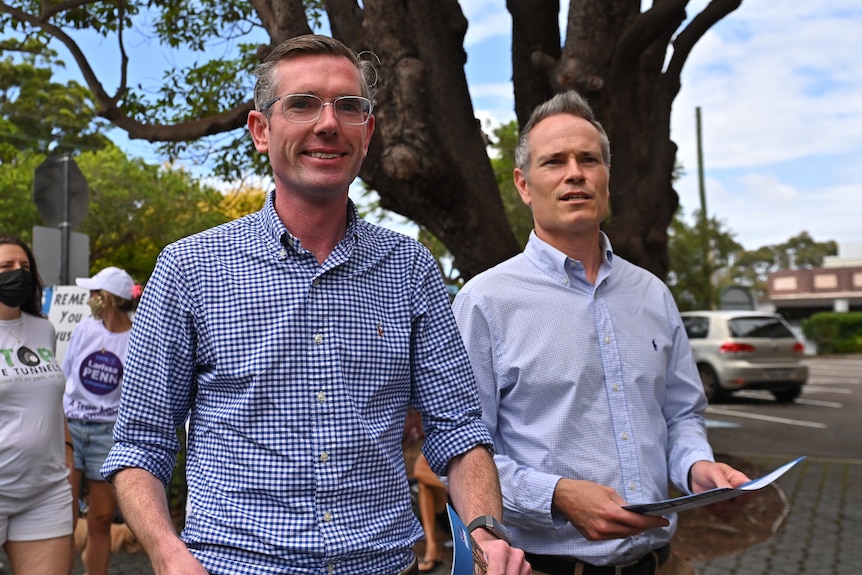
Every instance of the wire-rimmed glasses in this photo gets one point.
(307, 108)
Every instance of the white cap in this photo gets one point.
(112, 280)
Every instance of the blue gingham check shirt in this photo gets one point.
(592, 382)
(296, 377)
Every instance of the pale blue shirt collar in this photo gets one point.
(560, 267)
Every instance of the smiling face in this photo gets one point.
(566, 183)
(316, 160)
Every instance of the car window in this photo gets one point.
(696, 327)
(771, 327)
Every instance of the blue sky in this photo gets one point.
(779, 85)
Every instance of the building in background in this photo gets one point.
(837, 286)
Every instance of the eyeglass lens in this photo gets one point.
(302, 108)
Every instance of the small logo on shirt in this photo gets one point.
(28, 357)
(380, 329)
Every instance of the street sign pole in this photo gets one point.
(64, 223)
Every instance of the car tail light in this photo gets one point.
(736, 348)
(798, 348)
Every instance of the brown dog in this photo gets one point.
(122, 538)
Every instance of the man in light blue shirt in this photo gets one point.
(294, 339)
(585, 373)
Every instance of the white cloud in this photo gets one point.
(780, 90)
(487, 19)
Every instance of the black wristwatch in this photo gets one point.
(492, 524)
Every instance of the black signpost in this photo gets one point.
(61, 194)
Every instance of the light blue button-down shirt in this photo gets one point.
(592, 382)
(296, 377)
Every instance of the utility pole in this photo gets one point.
(704, 221)
(65, 226)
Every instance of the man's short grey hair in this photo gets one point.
(267, 86)
(569, 102)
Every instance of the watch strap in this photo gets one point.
(491, 524)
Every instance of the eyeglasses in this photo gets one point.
(306, 108)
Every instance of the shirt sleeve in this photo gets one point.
(444, 387)
(527, 492)
(158, 381)
(684, 406)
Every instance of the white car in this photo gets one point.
(746, 350)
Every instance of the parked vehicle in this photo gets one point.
(746, 350)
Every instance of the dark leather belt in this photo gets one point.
(556, 565)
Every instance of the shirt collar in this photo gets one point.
(555, 263)
(275, 227)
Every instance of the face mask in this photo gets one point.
(16, 287)
(97, 306)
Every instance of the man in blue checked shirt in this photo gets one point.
(585, 372)
(294, 340)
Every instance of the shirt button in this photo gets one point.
(282, 253)
(330, 568)
(318, 338)
(327, 516)
(632, 486)
(607, 339)
(324, 457)
(615, 387)
(625, 436)
(316, 282)
(321, 397)
(566, 281)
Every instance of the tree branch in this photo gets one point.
(662, 19)
(685, 41)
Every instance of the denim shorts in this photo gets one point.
(92, 440)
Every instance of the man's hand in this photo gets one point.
(182, 562)
(597, 511)
(502, 559)
(706, 475)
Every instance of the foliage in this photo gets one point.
(503, 161)
(834, 332)
(137, 208)
(751, 268)
(39, 114)
(691, 279)
(18, 213)
(242, 201)
(729, 263)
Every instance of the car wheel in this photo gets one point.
(711, 387)
(787, 395)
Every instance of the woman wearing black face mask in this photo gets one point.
(35, 445)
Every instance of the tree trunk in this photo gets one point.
(428, 159)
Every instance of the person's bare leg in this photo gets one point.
(76, 477)
(100, 516)
(42, 557)
(431, 500)
(428, 518)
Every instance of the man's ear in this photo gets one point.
(258, 126)
(522, 185)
